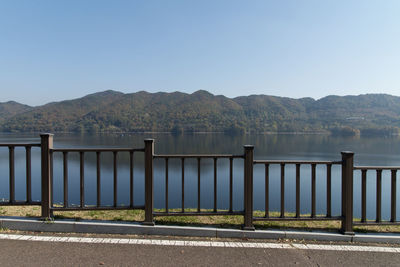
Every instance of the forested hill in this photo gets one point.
(112, 111)
(11, 108)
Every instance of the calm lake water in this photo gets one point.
(368, 151)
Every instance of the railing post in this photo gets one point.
(248, 188)
(347, 192)
(148, 176)
(46, 146)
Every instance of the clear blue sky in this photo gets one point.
(56, 50)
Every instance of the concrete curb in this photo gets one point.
(106, 227)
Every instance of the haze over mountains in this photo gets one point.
(201, 111)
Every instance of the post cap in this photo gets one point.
(347, 153)
(46, 134)
(250, 147)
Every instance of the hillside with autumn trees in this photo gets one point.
(201, 111)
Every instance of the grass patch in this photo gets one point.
(227, 221)
(106, 215)
(20, 211)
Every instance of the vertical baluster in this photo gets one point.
(115, 153)
(28, 174)
(131, 181)
(363, 195)
(266, 168)
(198, 185)
(166, 185)
(82, 179)
(328, 190)
(215, 184)
(282, 190)
(98, 178)
(378, 195)
(393, 197)
(11, 150)
(230, 184)
(51, 179)
(297, 190)
(183, 184)
(313, 190)
(65, 176)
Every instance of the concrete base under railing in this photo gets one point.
(108, 227)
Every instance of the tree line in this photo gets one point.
(201, 111)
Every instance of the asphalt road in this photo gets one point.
(39, 253)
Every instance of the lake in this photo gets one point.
(368, 151)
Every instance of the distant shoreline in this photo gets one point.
(204, 133)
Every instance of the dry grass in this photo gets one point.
(228, 221)
(21, 211)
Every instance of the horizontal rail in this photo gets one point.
(180, 213)
(301, 218)
(98, 150)
(198, 156)
(96, 208)
(376, 168)
(295, 162)
(20, 203)
(20, 144)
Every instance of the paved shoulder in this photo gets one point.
(57, 250)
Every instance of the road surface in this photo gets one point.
(143, 251)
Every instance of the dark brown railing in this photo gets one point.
(347, 170)
(378, 219)
(28, 168)
(98, 151)
(215, 158)
(282, 163)
(298, 164)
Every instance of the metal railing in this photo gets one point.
(346, 163)
(47, 177)
(98, 151)
(199, 157)
(346, 194)
(28, 168)
(298, 164)
(393, 198)
(215, 158)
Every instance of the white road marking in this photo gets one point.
(183, 243)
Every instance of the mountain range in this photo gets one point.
(201, 111)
